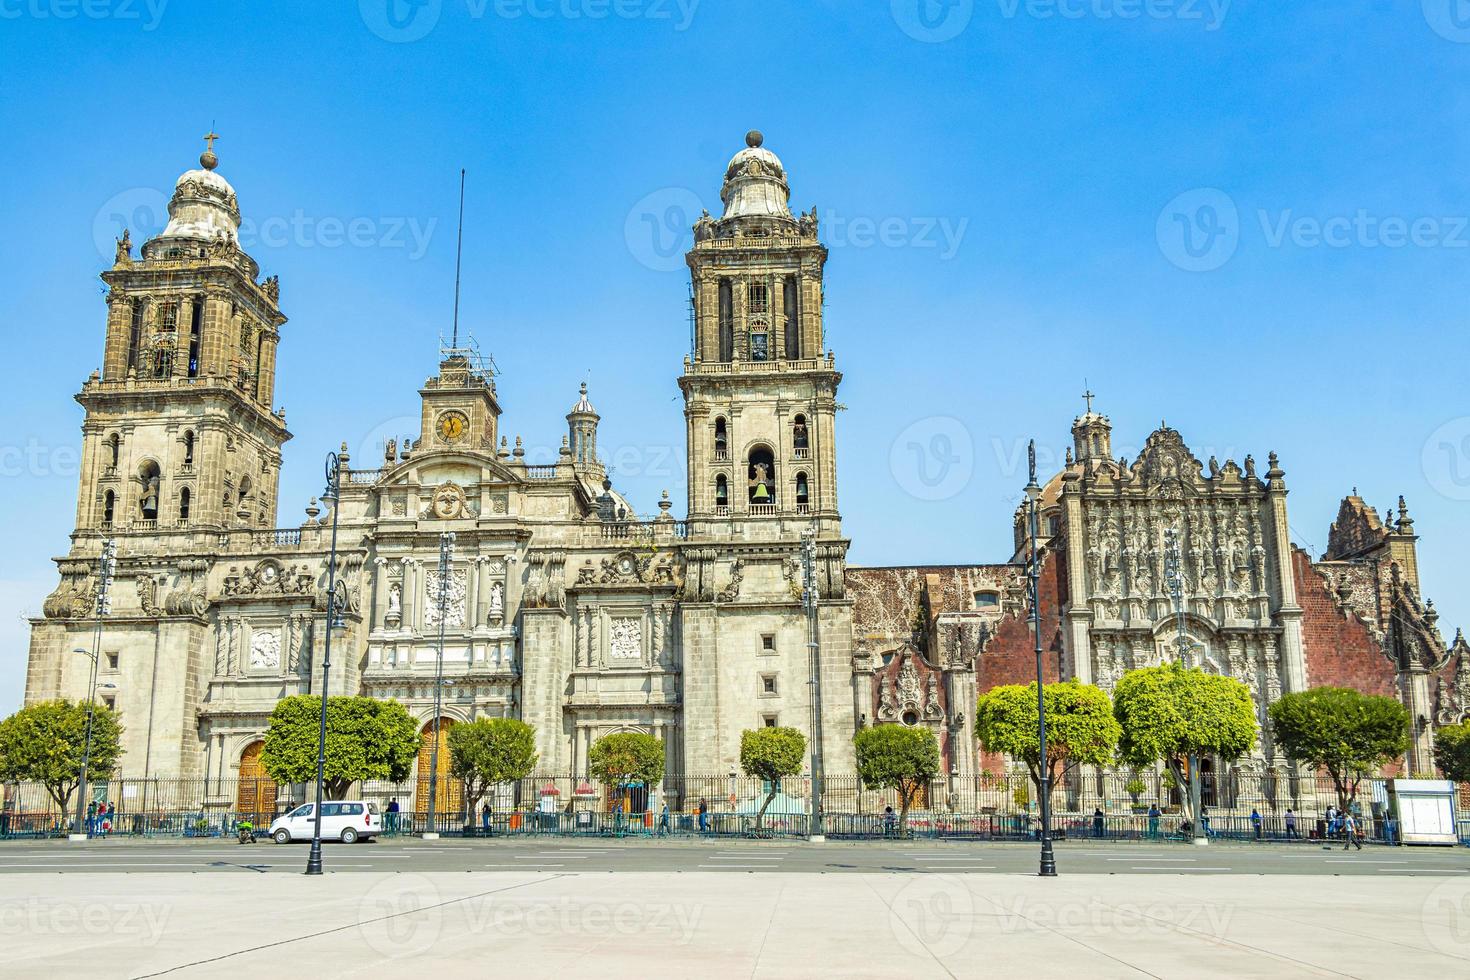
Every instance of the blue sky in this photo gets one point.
(1248, 219)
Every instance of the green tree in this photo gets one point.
(1176, 715)
(771, 754)
(44, 743)
(627, 757)
(1346, 733)
(899, 758)
(1452, 751)
(489, 751)
(366, 739)
(1080, 727)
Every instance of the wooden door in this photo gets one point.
(255, 793)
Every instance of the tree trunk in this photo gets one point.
(761, 814)
(903, 809)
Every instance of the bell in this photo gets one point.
(761, 493)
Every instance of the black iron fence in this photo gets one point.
(1268, 807)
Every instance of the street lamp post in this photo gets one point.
(336, 603)
(106, 567)
(1048, 868)
(1174, 579)
(446, 568)
(816, 830)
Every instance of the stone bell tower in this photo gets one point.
(180, 430)
(760, 399)
(759, 391)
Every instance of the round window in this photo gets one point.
(911, 718)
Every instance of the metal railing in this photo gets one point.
(986, 808)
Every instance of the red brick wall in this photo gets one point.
(1340, 652)
(1010, 658)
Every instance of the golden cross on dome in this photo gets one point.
(209, 139)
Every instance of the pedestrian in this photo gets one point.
(109, 819)
(485, 819)
(1256, 822)
(1331, 817)
(392, 827)
(92, 818)
(1350, 832)
(704, 816)
(1290, 823)
(1153, 821)
(663, 820)
(1099, 822)
(890, 822)
(1204, 819)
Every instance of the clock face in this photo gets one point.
(452, 426)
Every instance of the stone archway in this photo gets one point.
(450, 795)
(255, 791)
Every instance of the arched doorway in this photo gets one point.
(450, 794)
(255, 792)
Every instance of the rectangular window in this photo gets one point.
(109, 702)
(768, 685)
(759, 301)
(727, 323)
(768, 643)
(759, 347)
(196, 334)
(112, 660)
(793, 319)
(770, 721)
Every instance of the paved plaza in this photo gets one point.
(732, 909)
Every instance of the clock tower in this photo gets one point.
(460, 410)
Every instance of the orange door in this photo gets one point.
(255, 794)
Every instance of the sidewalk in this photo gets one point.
(767, 925)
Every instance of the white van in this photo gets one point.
(346, 821)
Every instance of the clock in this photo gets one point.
(452, 426)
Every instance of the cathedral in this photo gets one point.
(559, 606)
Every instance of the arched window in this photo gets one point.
(762, 475)
(114, 445)
(802, 497)
(800, 438)
(184, 497)
(722, 491)
(148, 480)
(722, 439)
(109, 506)
(188, 449)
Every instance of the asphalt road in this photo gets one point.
(566, 855)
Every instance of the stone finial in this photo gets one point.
(566, 449)
(520, 450)
(754, 138)
(312, 511)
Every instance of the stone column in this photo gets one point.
(380, 593)
(181, 336)
(265, 385)
(119, 331)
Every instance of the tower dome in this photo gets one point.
(203, 208)
(755, 183)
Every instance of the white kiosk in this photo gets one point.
(1424, 809)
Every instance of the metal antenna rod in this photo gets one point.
(458, 256)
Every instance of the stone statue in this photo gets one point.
(497, 602)
(124, 248)
(395, 604)
(704, 228)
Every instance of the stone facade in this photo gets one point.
(562, 608)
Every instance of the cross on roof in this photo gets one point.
(209, 139)
(1088, 396)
